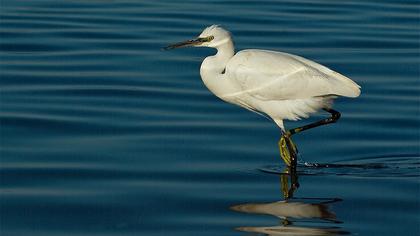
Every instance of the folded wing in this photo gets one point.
(268, 75)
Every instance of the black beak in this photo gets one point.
(187, 43)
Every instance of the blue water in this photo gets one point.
(102, 133)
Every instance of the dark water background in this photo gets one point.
(102, 133)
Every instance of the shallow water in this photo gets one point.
(102, 133)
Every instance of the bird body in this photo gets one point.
(276, 84)
(279, 85)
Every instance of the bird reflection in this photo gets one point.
(293, 211)
(295, 231)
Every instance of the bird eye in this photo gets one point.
(210, 38)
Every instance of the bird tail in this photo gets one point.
(347, 87)
(342, 86)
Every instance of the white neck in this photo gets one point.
(213, 68)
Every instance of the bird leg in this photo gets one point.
(284, 182)
(288, 149)
(335, 115)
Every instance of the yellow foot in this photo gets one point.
(288, 149)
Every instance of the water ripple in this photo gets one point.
(400, 166)
(102, 133)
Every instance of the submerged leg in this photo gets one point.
(288, 149)
(284, 182)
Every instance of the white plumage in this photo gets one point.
(282, 85)
(277, 84)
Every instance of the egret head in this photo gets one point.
(212, 36)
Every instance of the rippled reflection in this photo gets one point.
(292, 230)
(296, 214)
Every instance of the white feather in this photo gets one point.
(280, 85)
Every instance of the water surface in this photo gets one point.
(102, 133)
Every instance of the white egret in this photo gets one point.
(279, 85)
